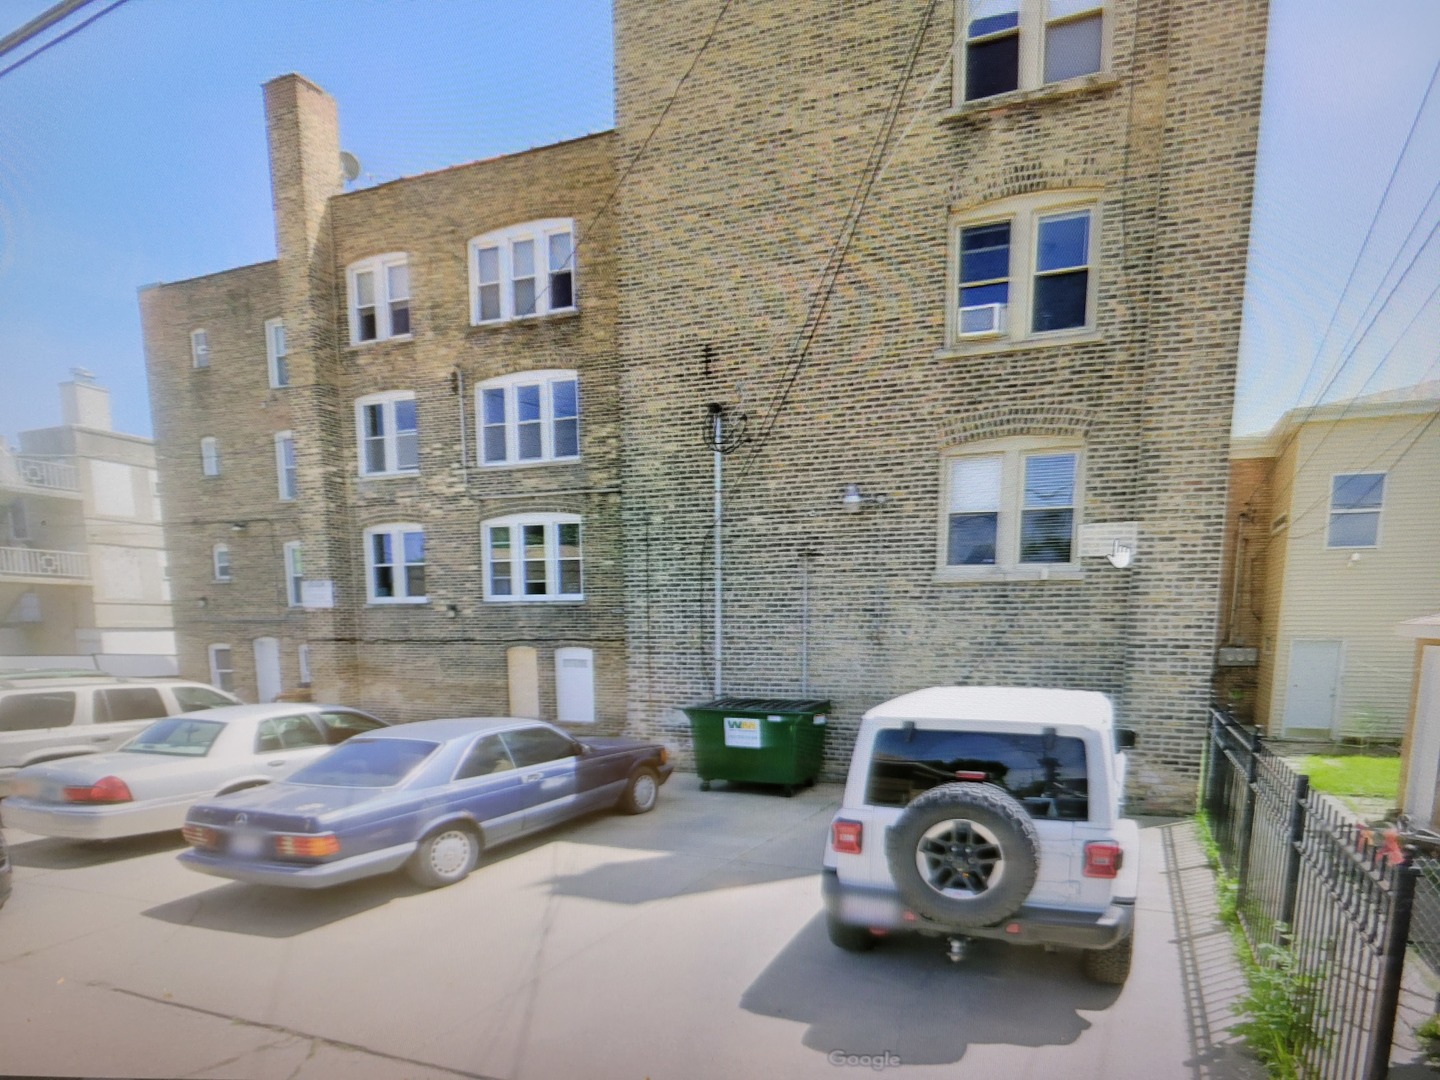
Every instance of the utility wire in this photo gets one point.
(59, 37)
(830, 274)
(42, 22)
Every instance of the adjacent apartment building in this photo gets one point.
(83, 574)
(956, 288)
(1336, 521)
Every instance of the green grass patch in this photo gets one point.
(1357, 776)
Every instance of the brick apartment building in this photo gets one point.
(1021, 355)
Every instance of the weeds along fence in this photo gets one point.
(1331, 899)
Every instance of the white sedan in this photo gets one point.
(148, 783)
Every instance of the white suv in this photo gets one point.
(988, 812)
(49, 715)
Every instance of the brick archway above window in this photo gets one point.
(1001, 423)
(991, 185)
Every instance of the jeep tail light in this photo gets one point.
(845, 837)
(1103, 859)
(111, 789)
(307, 846)
(200, 836)
(964, 774)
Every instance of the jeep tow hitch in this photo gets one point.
(959, 949)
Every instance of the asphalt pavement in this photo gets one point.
(688, 943)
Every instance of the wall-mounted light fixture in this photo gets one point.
(202, 602)
(854, 501)
(237, 526)
(452, 611)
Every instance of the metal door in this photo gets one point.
(267, 669)
(1313, 686)
(575, 686)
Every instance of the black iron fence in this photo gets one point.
(1332, 899)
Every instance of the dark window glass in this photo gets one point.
(130, 703)
(196, 698)
(1045, 536)
(1048, 517)
(537, 745)
(178, 736)
(31, 712)
(992, 67)
(339, 726)
(972, 539)
(367, 325)
(366, 762)
(1046, 774)
(399, 319)
(1060, 300)
(486, 757)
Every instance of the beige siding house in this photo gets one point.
(1353, 550)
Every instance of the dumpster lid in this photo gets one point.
(764, 705)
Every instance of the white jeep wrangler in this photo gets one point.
(988, 812)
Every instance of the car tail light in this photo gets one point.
(307, 846)
(846, 837)
(1103, 859)
(111, 789)
(664, 756)
(200, 836)
(965, 775)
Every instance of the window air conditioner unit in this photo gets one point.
(982, 320)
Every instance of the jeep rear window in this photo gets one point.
(1046, 774)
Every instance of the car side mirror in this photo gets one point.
(1124, 738)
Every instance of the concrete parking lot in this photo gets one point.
(686, 944)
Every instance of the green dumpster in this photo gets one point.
(759, 740)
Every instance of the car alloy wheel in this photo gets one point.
(450, 853)
(644, 791)
(959, 858)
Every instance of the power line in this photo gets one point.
(875, 164)
(60, 37)
(12, 41)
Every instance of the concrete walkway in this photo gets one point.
(688, 944)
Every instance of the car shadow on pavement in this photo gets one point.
(639, 881)
(907, 1000)
(266, 911)
(51, 853)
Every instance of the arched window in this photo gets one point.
(523, 271)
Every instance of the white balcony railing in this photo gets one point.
(38, 473)
(37, 562)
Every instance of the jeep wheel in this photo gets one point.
(1110, 966)
(965, 855)
(847, 937)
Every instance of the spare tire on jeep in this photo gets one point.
(964, 854)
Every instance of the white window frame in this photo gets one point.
(200, 348)
(1035, 22)
(389, 434)
(287, 475)
(303, 656)
(1024, 214)
(1377, 511)
(515, 524)
(378, 266)
(276, 353)
(504, 241)
(546, 380)
(220, 557)
(1013, 451)
(209, 456)
(396, 531)
(294, 572)
(222, 678)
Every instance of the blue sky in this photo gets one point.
(135, 152)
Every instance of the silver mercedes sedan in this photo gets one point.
(147, 784)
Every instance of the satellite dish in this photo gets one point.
(349, 166)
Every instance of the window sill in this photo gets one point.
(502, 466)
(1101, 82)
(393, 338)
(398, 474)
(407, 601)
(523, 600)
(525, 320)
(978, 575)
(998, 345)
